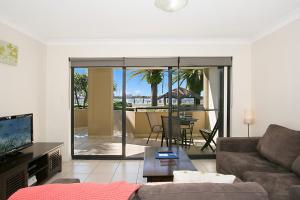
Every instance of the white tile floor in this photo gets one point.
(106, 171)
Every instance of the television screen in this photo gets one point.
(15, 133)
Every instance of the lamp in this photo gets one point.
(248, 119)
(170, 5)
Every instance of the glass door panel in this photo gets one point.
(199, 100)
(146, 89)
(97, 118)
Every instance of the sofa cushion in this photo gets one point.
(237, 163)
(276, 184)
(280, 145)
(202, 191)
(296, 166)
(185, 176)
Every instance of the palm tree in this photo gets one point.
(193, 78)
(152, 77)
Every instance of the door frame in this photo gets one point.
(98, 157)
(123, 155)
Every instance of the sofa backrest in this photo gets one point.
(280, 145)
(202, 191)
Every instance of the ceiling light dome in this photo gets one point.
(170, 5)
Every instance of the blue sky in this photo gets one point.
(135, 86)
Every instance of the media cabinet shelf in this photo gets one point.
(42, 160)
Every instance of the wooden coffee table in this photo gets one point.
(157, 171)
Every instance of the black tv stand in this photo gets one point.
(41, 160)
(8, 157)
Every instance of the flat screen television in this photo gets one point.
(16, 133)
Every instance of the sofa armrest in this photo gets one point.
(294, 192)
(237, 144)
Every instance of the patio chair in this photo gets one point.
(209, 135)
(155, 125)
(176, 130)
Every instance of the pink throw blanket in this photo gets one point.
(77, 191)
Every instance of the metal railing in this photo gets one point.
(184, 108)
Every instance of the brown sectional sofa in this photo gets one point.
(273, 161)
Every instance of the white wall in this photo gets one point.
(22, 86)
(276, 79)
(58, 79)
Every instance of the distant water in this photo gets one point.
(138, 102)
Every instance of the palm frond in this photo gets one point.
(137, 72)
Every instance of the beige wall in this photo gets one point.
(142, 127)
(100, 101)
(201, 121)
(80, 118)
(137, 122)
(275, 79)
(22, 87)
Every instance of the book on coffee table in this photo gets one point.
(166, 155)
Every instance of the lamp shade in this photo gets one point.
(170, 5)
(248, 117)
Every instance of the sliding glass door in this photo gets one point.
(97, 111)
(119, 109)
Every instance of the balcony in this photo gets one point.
(98, 124)
(137, 132)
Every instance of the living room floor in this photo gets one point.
(106, 171)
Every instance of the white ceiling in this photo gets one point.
(61, 20)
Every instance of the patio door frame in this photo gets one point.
(222, 100)
(124, 128)
(123, 138)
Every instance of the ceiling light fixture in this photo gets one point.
(170, 5)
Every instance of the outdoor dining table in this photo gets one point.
(186, 120)
(186, 123)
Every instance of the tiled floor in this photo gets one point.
(106, 171)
